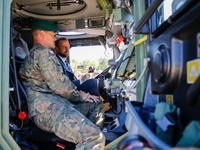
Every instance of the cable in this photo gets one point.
(115, 112)
(146, 60)
(15, 74)
(132, 92)
(14, 66)
(118, 67)
(127, 58)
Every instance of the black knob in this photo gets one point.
(161, 64)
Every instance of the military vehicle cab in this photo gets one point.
(150, 86)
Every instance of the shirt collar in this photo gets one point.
(62, 59)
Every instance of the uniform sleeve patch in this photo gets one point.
(51, 52)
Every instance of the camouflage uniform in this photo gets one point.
(54, 101)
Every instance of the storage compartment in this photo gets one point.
(140, 121)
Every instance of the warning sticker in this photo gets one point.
(198, 45)
(170, 99)
(192, 70)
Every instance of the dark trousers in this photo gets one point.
(87, 86)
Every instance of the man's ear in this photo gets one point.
(42, 34)
(56, 49)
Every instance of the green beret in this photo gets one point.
(45, 25)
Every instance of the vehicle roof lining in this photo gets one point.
(42, 10)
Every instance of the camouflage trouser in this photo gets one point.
(70, 125)
(93, 111)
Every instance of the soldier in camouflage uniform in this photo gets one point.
(54, 103)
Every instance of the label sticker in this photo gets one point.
(192, 70)
(170, 99)
(198, 45)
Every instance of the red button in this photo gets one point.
(22, 114)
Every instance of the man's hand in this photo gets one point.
(85, 78)
(89, 98)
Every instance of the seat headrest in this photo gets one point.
(20, 49)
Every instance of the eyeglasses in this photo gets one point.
(56, 33)
(52, 34)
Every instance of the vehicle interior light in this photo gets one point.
(71, 33)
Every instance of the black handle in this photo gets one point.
(193, 92)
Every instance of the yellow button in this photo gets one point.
(170, 99)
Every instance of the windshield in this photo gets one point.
(90, 56)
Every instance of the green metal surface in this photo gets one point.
(115, 83)
(121, 14)
(131, 63)
(140, 49)
(123, 67)
(105, 8)
(6, 140)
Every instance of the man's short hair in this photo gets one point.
(58, 41)
(35, 32)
